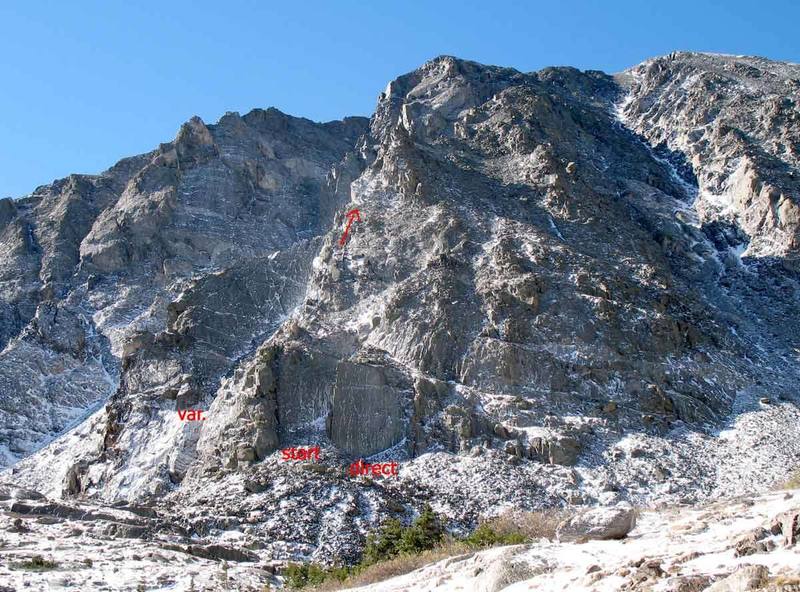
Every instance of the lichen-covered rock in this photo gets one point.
(788, 524)
(753, 542)
(93, 262)
(705, 121)
(60, 328)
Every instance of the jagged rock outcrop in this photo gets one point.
(745, 159)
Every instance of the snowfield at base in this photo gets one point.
(672, 536)
(682, 541)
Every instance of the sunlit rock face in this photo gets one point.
(564, 287)
(736, 121)
(157, 274)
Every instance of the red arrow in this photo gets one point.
(353, 214)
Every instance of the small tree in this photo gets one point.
(384, 544)
(425, 533)
(296, 575)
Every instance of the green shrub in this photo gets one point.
(35, 563)
(340, 573)
(485, 536)
(395, 548)
(302, 575)
(425, 533)
(383, 545)
(394, 539)
(793, 482)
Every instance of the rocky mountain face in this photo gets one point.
(95, 267)
(565, 288)
(736, 122)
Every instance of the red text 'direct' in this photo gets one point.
(384, 469)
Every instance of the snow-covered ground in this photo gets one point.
(668, 547)
(101, 549)
(106, 548)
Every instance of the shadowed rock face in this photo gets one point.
(537, 296)
(372, 397)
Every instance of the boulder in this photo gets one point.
(10, 491)
(501, 431)
(50, 509)
(647, 571)
(246, 453)
(126, 531)
(753, 542)
(555, 451)
(17, 525)
(788, 524)
(508, 569)
(72, 481)
(750, 577)
(221, 552)
(689, 584)
(610, 407)
(514, 448)
(600, 523)
(256, 485)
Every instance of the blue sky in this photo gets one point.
(85, 83)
